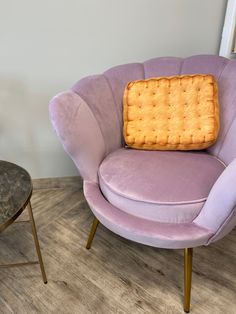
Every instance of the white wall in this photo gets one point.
(47, 45)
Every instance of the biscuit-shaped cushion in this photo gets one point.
(171, 113)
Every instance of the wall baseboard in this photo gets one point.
(74, 182)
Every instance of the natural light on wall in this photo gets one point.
(228, 44)
(234, 47)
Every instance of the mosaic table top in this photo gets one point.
(15, 192)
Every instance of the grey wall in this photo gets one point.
(47, 45)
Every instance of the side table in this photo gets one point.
(15, 193)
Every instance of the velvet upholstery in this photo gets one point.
(88, 121)
(79, 132)
(219, 211)
(163, 235)
(163, 186)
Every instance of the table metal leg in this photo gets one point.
(36, 241)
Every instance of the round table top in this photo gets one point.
(15, 192)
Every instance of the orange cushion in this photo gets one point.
(171, 113)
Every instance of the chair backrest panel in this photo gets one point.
(104, 95)
(225, 147)
(204, 64)
(165, 66)
(96, 92)
(118, 77)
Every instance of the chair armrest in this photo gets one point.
(219, 212)
(79, 132)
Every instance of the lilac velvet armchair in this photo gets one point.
(165, 199)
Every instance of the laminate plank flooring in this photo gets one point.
(115, 276)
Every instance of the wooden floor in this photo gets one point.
(115, 276)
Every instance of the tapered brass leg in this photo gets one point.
(188, 257)
(36, 241)
(92, 233)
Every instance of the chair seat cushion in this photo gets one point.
(164, 186)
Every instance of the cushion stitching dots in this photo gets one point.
(152, 138)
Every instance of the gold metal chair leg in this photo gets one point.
(36, 241)
(92, 233)
(188, 257)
